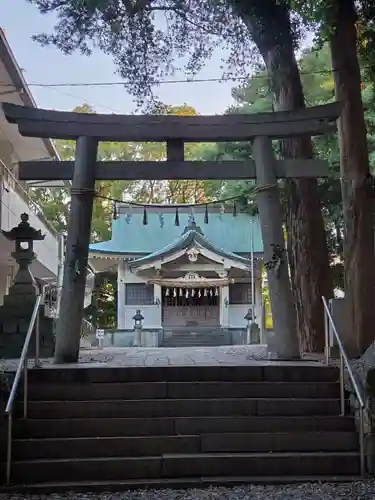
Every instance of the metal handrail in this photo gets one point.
(344, 363)
(87, 327)
(22, 367)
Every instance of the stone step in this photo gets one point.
(196, 343)
(51, 488)
(119, 427)
(185, 465)
(204, 335)
(191, 333)
(137, 446)
(180, 390)
(196, 338)
(183, 425)
(181, 407)
(270, 372)
(197, 330)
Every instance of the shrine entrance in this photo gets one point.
(259, 129)
(193, 307)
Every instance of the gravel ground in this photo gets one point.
(361, 490)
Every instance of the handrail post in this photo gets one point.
(9, 448)
(362, 450)
(37, 329)
(342, 386)
(326, 335)
(25, 387)
(37, 341)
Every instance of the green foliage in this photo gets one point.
(255, 96)
(102, 311)
(320, 16)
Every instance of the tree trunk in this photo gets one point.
(359, 259)
(269, 25)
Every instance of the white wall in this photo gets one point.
(12, 208)
(5, 273)
(90, 283)
(152, 315)
(236, 313)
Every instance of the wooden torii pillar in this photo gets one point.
(89, 129)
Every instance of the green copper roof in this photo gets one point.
(223, 231)
(191, 235)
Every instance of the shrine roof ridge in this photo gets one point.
(131, 237)
(111, 127)
(189, 238)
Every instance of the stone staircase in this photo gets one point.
(195, 337)
(105, 428)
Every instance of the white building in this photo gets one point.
(14, 195)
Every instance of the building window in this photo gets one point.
(240, 293)
(139, 294)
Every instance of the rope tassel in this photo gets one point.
(114, 211)
(234, 209)
(177, 218)
(206, 215)
(145, 221)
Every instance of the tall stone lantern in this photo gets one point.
(24, 236)
(16, 312)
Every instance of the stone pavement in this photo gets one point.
(239, 355)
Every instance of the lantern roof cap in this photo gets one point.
(249, 315)
(138, 315)
(24, 231)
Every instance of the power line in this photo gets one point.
(82, 99)
(168, 82)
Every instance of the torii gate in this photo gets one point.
(89, 129)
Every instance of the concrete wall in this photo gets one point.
(152, 315)
(236, 313)
(126, 338)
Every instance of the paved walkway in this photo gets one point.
(167, 356)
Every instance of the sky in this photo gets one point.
(47, 65)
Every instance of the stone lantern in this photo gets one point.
(138, 324)
(18, 306)
(248, 317)
(24, 236)
(253, 330)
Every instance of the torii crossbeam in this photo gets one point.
(89, 129)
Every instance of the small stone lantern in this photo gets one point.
(138, 324)
(24, 236)
(253, 330)
(249, 317)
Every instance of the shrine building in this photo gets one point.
(184, 270)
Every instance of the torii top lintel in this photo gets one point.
(50, 124)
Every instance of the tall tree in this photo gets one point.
(254, 96)
(356, 182)
(146, 39)
(271, 26)
(337, 20)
